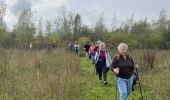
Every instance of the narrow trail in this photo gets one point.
(92, 89)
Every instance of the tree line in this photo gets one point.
(68, 26)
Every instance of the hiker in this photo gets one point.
(91, 52)
(76, 47)
(31, 47)
(95, 50)
(86, 50)
(103, 62)
(71, 46)
(123, 67)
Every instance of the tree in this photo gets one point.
(40, 27)
(114, 23)
(48, 28)
(2, 15)
(68, 23)
(76, 26)
(162, 21)
(141, 27)
(100, 26)
(126, 25)
(86, 31)
(25, 28)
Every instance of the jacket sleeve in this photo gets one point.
(114, 62)
(96, 56)
(108, 59)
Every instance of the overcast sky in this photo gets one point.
(89, 9)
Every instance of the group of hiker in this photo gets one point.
(74, 47)
(122, 65)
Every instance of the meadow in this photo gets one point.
(60, 75)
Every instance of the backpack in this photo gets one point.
(135, 76)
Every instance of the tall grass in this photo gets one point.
(38, 75)
(154, 72)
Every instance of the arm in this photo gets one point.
(114, 67)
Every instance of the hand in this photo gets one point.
(116, 71)
(136, 66)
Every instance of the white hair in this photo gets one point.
(122, 45)
(102, 44)
(98, 42)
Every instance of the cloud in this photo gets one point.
(90, 10)
(10, 17)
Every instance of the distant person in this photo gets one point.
(86, 49)
(30, 47)
(71, 47)
(123, 67)
(97, 46)
(76, 48)
(103, 61)
(91, 52)
(95, 50)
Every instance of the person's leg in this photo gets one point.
(129, 85)
(104, 72)
(99, 70)
(122, 85)
(96, 69)
(92, 58)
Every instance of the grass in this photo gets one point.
(93, 90)
(58, 75)
(38, 75)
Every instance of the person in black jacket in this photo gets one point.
(86, 49)
(123, 67)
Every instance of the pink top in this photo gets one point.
(92, 48)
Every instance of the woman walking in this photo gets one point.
(103, 62)
(123, 67)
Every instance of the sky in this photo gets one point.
(90, 10)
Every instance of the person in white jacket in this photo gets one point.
(103, 61)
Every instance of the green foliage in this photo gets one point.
(25, 29)
(83, 40)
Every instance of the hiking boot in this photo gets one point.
(105, 83)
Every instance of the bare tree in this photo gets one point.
(48, 28)
(25, 28)
(2, 15)
(68, 23)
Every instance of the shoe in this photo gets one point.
(105, 83)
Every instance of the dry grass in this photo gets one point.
(38, 75)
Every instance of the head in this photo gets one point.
(102, 46)
(98, 42)
(122, 48)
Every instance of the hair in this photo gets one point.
(122, 45)
(98, 42)
(102, 44)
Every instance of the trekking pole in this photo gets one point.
(139, 84)
(116, 89)
(94, 72)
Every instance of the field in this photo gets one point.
(59, 75)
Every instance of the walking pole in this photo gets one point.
(139, 84)
(116, 89)
(94, 72)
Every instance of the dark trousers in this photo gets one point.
(102, 70)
